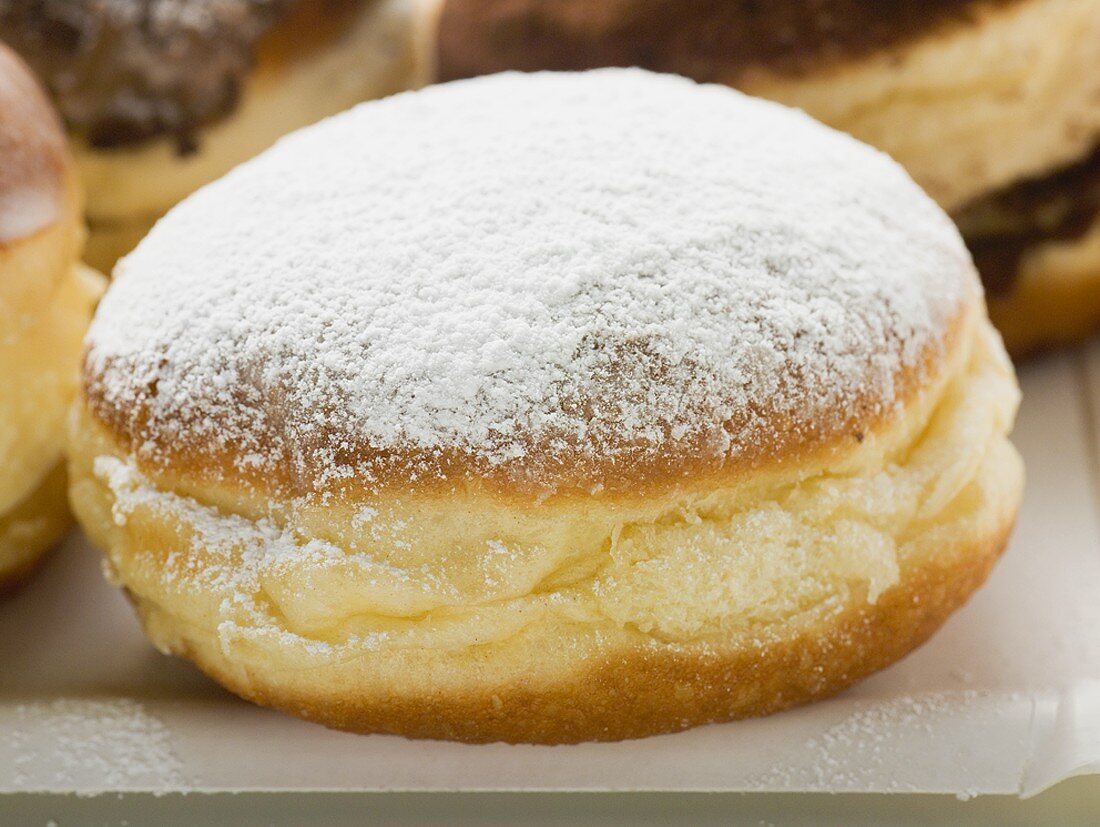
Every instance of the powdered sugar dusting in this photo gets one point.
(529, 271)
(856, 753)
(92, 744)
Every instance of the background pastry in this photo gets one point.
(574, 406)
(992, 105)
(45, 304)
(163, 96)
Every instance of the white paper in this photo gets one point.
(1005, 699)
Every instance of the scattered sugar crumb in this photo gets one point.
(856, 753)
(93, 744)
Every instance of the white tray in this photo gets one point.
(1005, 699)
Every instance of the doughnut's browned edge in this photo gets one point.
(196, 469)
(637, 692)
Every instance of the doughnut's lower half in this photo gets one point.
(477, 616)
(38, 373)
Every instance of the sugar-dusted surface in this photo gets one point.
(115, 742)
(530, 273)
(1003, 699)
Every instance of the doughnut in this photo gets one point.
(548, 408)
(164, 96)
(45, 304)
(985, 102)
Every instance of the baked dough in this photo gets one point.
(45, 304)
(548, 408)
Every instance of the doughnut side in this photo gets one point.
(38, 371)
(479, 618)
(45, 305)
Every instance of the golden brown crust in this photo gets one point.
(35, 167)
(645, 691)
(634, 475)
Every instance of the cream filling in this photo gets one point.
(38, 372)
(713, 566)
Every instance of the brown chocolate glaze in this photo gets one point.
(1002, 227)
(34, 156)
(709, 40)
(123, 72)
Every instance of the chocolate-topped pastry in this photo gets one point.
(992, 105)
(162, 96)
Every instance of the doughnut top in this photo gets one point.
(553, 281)
(34, 159)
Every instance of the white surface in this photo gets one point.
(1005, 699)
